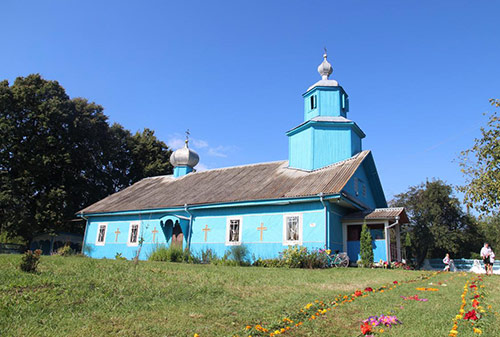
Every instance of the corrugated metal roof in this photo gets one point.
(262, 181)
(380, 213)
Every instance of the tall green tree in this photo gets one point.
(366, 247)
(481, 167)
(438, 224)
(58, 155)
(489, 227)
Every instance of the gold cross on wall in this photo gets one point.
(116, 234)
(261, 229)
(206, 230)
(154, 231)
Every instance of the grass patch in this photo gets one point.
(74, 296)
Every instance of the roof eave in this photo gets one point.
(279, 201)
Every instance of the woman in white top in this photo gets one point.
(485, 255)
(446, 262)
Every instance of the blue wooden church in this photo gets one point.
(319, 198)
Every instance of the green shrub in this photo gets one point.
(166, 254)
(30, 260)
(208, 256)
(293, 256)
(225, 262)
(172, 254)
(268, 263)
(366, 248)
(65, 251)
(119, 256)
(190, 258)
(300, 257)
(239, 254)
(315, 259)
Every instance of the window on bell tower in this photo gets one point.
(314, 102)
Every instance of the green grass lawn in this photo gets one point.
(74, 296)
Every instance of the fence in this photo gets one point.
(470, 265)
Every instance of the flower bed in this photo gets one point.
(474, 316)
(374, 324)
(316, 309)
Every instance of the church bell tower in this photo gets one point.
(326, 136)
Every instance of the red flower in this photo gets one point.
(473, 286)
(365, 328)
(368, 289)
(475, 303)
(358, 293)
(476, 296)
(395, 282)
(471, 315)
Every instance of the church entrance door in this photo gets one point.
(177, 235)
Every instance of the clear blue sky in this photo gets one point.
(419, 73)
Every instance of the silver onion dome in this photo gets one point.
(184, 157)
(325, 68)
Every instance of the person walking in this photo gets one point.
(485, 255)
(447, 262)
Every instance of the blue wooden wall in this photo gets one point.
(331, 101)
(272, 217)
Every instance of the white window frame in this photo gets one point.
(285, 227)
(240, 234)
(99, 224)
(138, 223)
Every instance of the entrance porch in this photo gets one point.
(385, 227)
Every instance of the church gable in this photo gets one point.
(364, 186)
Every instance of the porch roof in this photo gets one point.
(389, 213)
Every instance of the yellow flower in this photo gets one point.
(381, 330)
(478, 331)
(196, 335)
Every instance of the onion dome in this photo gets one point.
(325, 69)
(184, 157)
